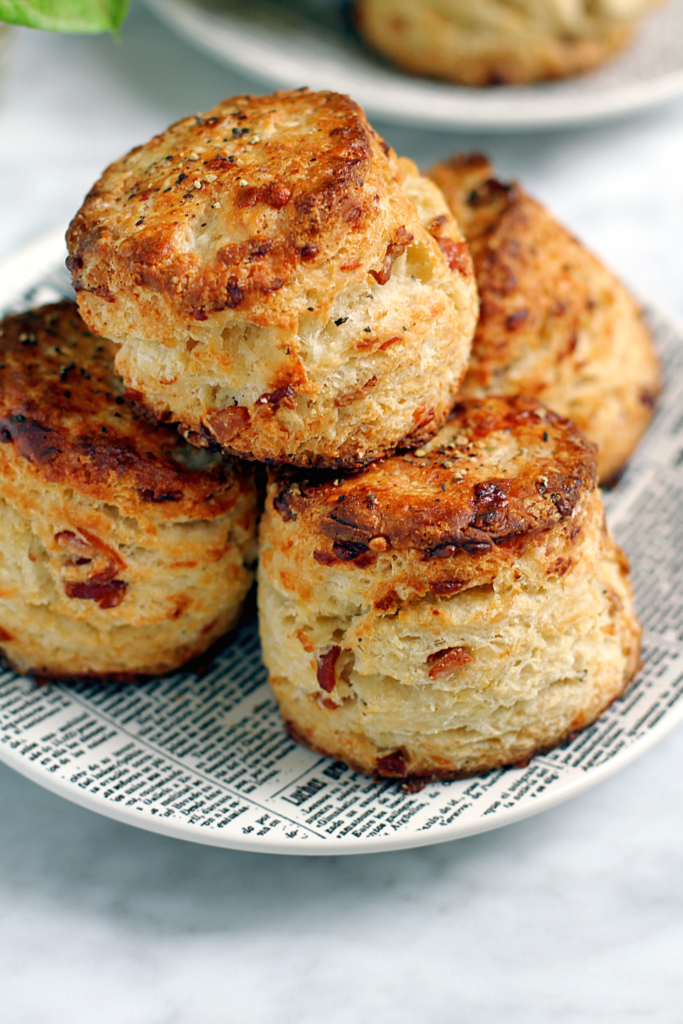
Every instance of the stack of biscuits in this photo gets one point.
(268, 283)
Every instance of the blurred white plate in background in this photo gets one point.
(311, 42)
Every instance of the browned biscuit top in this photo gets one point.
(222, 210)
(500, 472)
(62, 411)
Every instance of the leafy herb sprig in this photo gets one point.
(85, 16)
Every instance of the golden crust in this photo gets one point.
(275, 276)
(309, 164)
(487, 42)
(64, 419)
(554, 322)
(420, 638)
(125, 551)
(498, 474)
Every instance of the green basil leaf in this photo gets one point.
(66, 15)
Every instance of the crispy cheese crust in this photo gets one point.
(280, 283)
(554, 321)
(450, 610)
(125, 550)
(494, 42)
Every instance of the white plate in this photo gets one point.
(205, 758)
(310, 42)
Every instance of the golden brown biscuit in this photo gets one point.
(491, 42)
(451, 610)
(125, 551)
(554, 321)
(279, 282)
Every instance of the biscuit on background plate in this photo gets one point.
(279, 282)
(125, 551)
(450, 610)
(495, 42)
(554, 321)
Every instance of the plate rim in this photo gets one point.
(333, 847)
(43, 254)
(185, 18)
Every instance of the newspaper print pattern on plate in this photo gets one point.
(205, 757)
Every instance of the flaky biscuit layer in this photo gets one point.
(451, 613)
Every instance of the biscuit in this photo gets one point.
(280, 283)
(493, 42)
(125, 551)
(554, 323)
(452, 610)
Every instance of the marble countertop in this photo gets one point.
(575, 915)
